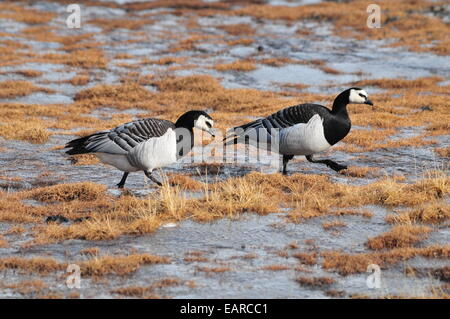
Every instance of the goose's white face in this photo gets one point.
(358, 96)
(205, 124)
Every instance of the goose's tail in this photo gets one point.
(77, 146)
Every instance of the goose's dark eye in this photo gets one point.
(362, 95)
(208, 125)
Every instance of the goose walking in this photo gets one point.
(144, 144)
(304, 129)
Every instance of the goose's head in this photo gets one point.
(197, 119)
(358, 96)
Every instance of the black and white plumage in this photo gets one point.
(145, 144)
(303, 129)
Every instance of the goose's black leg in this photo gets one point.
(149, 175)
(122, 181)
(331, 164)
(286, 159)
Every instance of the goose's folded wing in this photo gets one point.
(282, 119)
(121, 139)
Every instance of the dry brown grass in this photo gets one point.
(3, 242)
(430, 213)
(278, 61)
(164, 61)
(399, 236)
(21, 14)
(275, 267)
(443, 151)
(386, 83)
(29, 131)
(148, 291)
(29, 73)
(90, 58)
(11, 89)
(402, 21)
(347, 264)
(119, 265)
(105, 94)
(317, 282)
(186, 182)
(333, 225)
(240, 41)
(40, 265)
(85, 191)
(15, 230)
(358, 171)
(84, 159)
(242, 66)
(238, 29)
(112, 24)
(27, 287)
(212, 270)
(79, 80)
(306, 258)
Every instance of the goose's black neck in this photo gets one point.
(337, 126)
(340, 105)
(184, 129)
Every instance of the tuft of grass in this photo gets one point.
(21, 14)
(186, 182)
(243, 66)
(386, 83)
(214, 270)
(119, 265)
(103, 94)
(84, 159)
(333, 225)
(79, 80)
(40, 265)
(29, 73)
(11, 89)
(316, 282)
(275, 267)
(30, 131)
(399, 236)
(306, 258)
(238, 29)
(430, 213)
(346, 264)
(27, 287)
(85, 191)
(443, 151)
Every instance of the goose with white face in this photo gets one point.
(359, 96)
(205, 124)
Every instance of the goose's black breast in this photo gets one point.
(335, 128)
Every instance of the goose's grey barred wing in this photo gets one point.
(121, 139)
(285, 118)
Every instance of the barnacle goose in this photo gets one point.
(144, 144)
(303, 129)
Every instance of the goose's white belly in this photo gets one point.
(119, 161)
(304, 138)
(154, 153)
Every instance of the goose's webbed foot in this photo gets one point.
(331, 164)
